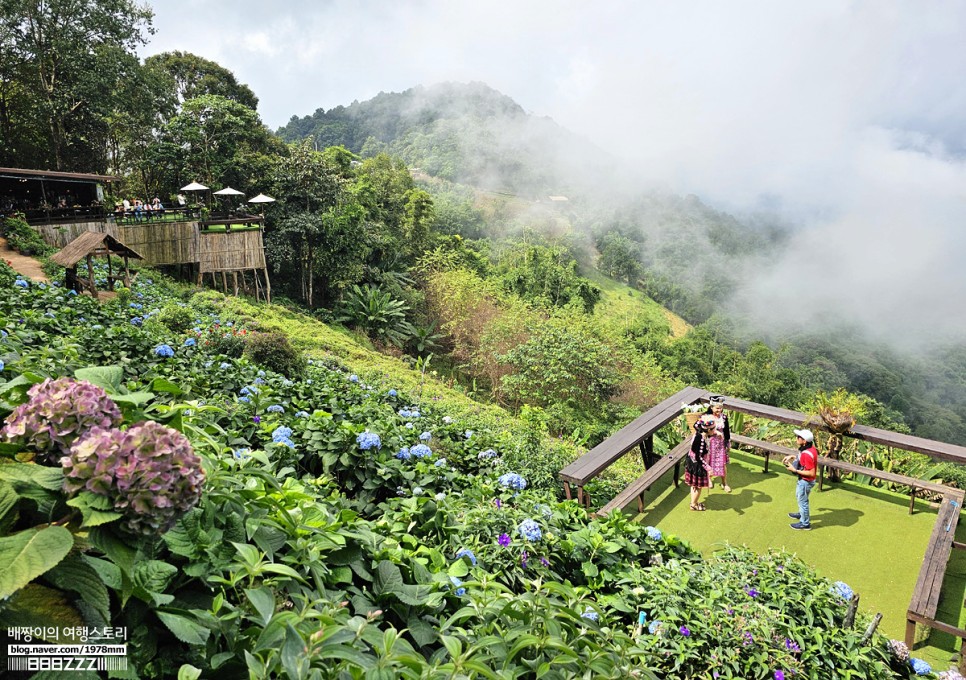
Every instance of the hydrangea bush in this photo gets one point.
(149, 472)
(57, 414)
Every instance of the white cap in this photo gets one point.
(805, 434)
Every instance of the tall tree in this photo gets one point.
(191, 76)
(316, 224)
(68, 54)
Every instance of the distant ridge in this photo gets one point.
(462, 132)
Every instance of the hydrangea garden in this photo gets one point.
(243, 511)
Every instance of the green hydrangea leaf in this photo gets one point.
(26, 555)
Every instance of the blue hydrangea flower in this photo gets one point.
(530, 530)
(421, 451)
(354, 378)
(405, 413)
(223, 365)
(276, 408)
(439, 463)
(842, 589)
(249, 390)
(590, 615)
(20, 283)
(404, 454)
(280, 432)
(259, 381)
(287, 383)
(425, 436)
(368, 440)
(190, 342)
(284, 441)
(392, 393)
(163, 351)
(72, 292)
(466, 552)
(301, 414)
(654, 533)
(136, 305)
(511, 480)
(2, 365)
(460, 590)
(468, 434)
(920, 667)
(244, 400)
(261, 374)
(485, 455)
(241, 454)
(447, 420)
(137, 321)
(654, 626)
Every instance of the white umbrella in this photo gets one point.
(194, 186)
(228, 191)
(261, 198)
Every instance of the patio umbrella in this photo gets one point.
(261, 198)
(228, 191)
(194, 186)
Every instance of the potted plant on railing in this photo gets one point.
(837, 412)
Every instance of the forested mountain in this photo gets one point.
(462, 140)
(465, 133)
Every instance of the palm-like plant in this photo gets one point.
(377, 313)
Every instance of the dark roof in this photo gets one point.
(91, 243)
(18, 173)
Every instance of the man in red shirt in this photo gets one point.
(805, 465)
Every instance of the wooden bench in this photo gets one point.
(913, 483)
(925, 596)
(636, 433)
(766, 448)
(826, 462)
(644, 482)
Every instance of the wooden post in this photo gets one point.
(647, 451)
(871, 629)
(90, 276)
(258, 287)
(127, 273)
(567, 490)
(268, 287)
(849, 620)
(224, 282)
(234, 276)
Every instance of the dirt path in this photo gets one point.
(21, 264)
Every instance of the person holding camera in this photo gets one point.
(696, 467)
(805, 466)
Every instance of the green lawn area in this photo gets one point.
(861, 535)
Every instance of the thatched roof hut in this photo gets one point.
(88, 245)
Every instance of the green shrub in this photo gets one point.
(176, 318)
(274, 351)
(22, 238)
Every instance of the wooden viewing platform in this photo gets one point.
(639, 433)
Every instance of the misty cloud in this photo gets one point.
(845, 118)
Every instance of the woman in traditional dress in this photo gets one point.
(696, 467)
(719, 442)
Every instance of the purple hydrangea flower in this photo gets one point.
(149, 472)
(58, 413)
(504, 540)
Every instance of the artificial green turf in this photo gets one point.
(860, 534)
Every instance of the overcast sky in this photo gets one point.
(847, 117)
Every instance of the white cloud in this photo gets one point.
(848, 115)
